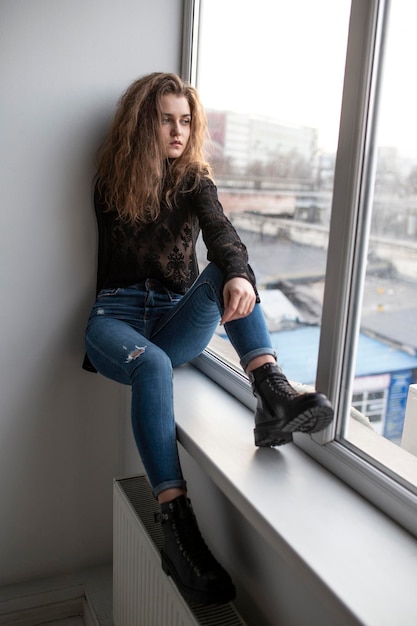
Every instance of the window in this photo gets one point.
(386, 307)
(273, 132)
(325, 200)
(371, 404)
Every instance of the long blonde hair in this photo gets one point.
(133, 171)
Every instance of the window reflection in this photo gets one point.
(386, 362)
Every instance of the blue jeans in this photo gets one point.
(138, 334)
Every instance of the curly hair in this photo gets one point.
(133, 171)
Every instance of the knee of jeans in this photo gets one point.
(214, 272)
(149, 357)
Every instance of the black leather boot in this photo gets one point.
(282, 411)
(187, 559)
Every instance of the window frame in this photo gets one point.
(346, 261)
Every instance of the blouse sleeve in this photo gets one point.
(224, 245)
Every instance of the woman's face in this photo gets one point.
(175, 124)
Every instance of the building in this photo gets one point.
(246, 140)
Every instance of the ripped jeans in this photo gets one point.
(138, 334)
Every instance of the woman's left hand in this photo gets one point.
(239, 299)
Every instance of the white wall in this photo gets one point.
(63, 431)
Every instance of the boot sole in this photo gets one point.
(312, 420)
(197, 596)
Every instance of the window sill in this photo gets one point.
(393, 457)
(353, 552)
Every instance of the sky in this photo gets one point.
(286, 60)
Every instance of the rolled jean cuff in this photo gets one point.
(247, 358)
(169, 484)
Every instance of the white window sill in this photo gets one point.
(327, 531)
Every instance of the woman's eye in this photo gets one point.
(169, 120)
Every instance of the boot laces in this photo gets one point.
(279, 384)
(192, 545)
(189, 540)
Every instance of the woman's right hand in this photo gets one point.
(239, 299)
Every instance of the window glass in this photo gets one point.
(271, 81)
(386, 360)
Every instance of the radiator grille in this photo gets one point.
(142, 594)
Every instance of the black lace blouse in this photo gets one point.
(166, 249)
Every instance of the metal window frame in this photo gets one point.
(346, 260)
(190, 31)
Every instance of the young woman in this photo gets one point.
(153, 195)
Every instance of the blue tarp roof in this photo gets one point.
(297, 352)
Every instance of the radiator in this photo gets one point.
(143, 595)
